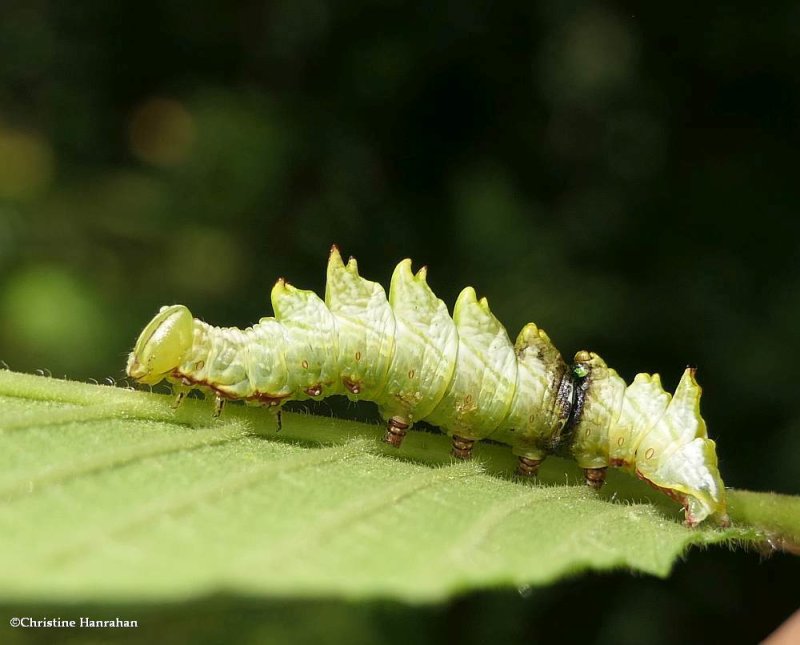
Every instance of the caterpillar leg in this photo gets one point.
(595, 477)
(396, 429)
(462, 448)
(180, 395)
(527, 467)
(219, 403)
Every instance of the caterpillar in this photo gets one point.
(460, 373)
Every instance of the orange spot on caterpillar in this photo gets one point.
(411, 373)
(620, 441)
(305, 365)
(199, 365)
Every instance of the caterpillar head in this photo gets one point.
(162, 345)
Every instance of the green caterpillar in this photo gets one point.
(462, 374)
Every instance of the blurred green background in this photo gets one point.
(627, 178)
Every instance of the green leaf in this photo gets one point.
(109, 494)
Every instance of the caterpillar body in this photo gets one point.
(461, 373)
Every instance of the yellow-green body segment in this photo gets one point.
(462, 374)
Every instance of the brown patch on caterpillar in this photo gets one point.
(314, 390)
(462, 448)
(689, 520)
(188, 381)
(263, 398)
(619, 463)
(595, 477)
(269, 399)
(396, 429)
(352, 386)
(527, 467)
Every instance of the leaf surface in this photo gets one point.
(110, 494)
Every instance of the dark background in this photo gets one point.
(627, 178)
